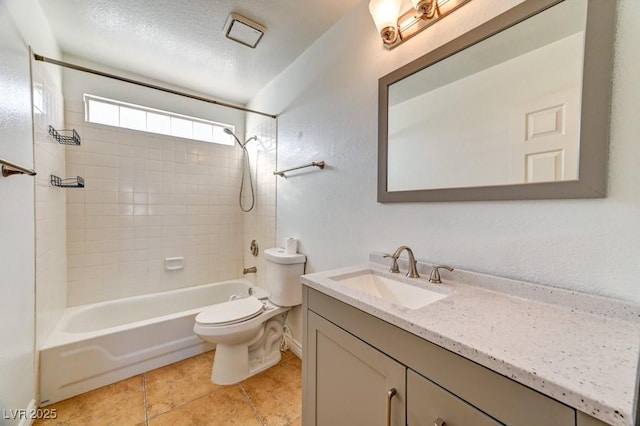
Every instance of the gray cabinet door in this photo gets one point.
(428, 404)
(349, 380)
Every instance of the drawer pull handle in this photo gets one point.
(390, 394)
(439, 422)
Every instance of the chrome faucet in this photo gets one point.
(251, 270)
(413, 272)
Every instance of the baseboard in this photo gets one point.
(295, 346)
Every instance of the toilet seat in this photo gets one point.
(231, 312)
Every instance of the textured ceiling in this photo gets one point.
(181, 41)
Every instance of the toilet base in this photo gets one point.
(235, 363)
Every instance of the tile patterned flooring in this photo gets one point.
(182, 394)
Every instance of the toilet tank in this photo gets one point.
(283, 276)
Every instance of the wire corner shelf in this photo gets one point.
(76, 182)
(65, 137)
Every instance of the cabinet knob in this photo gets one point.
(439, 422)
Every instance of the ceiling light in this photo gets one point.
(243, 30)
(396, 28)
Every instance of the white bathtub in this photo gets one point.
(99, 344)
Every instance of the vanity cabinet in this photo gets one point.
(353, 381)
(353, 359)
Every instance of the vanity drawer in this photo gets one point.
(427, 403)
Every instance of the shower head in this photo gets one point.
(242, 145)
(230, 132)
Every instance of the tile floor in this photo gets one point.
(182, 394)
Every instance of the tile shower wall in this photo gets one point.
(259, 224)
(50, 203)
(147, 198)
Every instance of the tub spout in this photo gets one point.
(251, 270)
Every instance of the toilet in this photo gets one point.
(247, 331)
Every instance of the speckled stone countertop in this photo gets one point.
(579, 349)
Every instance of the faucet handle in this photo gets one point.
(435, 275)
(394, 264)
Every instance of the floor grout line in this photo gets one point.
(146, 402)
(294, 420)
(253, 407)
(182, 404)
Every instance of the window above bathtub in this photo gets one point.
(137, 117)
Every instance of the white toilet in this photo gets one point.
(247, 331)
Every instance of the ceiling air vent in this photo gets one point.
(243, 30)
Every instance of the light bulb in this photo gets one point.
(385, 16)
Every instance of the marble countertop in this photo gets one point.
(579, 349)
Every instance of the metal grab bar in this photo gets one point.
(319, 164)
(9, 169)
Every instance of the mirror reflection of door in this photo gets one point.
(545, 126)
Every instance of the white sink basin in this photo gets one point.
(393, 291)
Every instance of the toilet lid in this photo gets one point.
(231, 312)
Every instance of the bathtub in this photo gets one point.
(98, 344)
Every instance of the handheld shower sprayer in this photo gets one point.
(242, 145)
(246, 169)
(230, 132)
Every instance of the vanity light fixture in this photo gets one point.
(396, 28)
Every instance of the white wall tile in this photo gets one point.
(50, 210)
(259, 223)
(147, 198)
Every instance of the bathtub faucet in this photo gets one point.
(251, 270)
